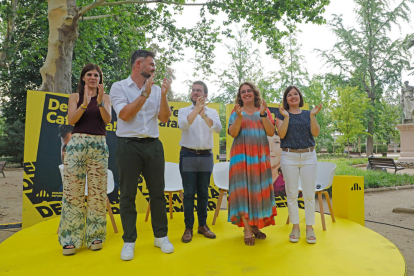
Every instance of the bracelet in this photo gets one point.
(83, 107)
(102, 104)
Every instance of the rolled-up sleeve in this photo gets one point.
(118, 98)
(216, 121)
(182, 119)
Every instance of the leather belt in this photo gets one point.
(145, 139)
(299, 150)
(207, 151)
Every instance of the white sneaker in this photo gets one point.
(165, 244)
(127, 252)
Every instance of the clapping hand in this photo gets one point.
(166, 84)
(149, 84)
(200, 104)
(87, 95)
(283, 112)
(238, 111)
(263, 107)
(316, 110)
(100, 93)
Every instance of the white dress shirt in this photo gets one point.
(145, 122)
(198, 135)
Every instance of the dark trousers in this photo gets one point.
(195, 172)
(133, 157)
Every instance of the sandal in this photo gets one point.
(310, 234)
(258, 234)
(96, 246)
(249, 240)
(67, 251)
(296, 235)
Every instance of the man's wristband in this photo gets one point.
(264, 115)
(83, 107)
(205, 116)
(145, 94)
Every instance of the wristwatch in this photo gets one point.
(205, 116)
(264, 115)
(102, 104)
(143, 93)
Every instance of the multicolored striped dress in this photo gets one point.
(251, 187)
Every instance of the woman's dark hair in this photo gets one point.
(257, 97)
(285, 104)
(87, 68)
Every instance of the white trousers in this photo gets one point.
(293, 165)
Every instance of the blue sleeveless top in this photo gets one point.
(298, 135)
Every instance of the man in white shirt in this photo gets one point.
(139, 104)
(197, 122)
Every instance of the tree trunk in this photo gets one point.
(348, 149)
(56, 72)
(370, 138)
(9, 34)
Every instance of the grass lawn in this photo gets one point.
(372, 179)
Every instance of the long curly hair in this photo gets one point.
(257, 97)
(87, 68)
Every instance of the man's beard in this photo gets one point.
(146, 75)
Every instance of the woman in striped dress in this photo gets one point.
(251, 197)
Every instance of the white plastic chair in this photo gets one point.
(324, 177)
(221, 180)
(173, 184)
(109, 189)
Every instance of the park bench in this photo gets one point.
(354, 153)
(2, 166)
(382, 163)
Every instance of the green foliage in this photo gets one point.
(367, 57)
(244, 66)
(293, 71)
(262, 17)
(348, 111)
(315, 92)
(12, 142)
(378, 148)
(109, 32)
(372, 179)
(24, 50)
(339, 148)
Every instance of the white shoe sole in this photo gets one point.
(166, 251)
(127, 258)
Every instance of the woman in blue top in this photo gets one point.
(296, 129)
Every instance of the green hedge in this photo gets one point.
(372, 179)
(381, 148)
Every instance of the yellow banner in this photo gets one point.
(46, 134)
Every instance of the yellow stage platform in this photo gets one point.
(346, 248)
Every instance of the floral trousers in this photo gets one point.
(86, 161)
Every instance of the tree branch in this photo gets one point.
(389, 18)
(101, 16)
(102, 3)
(91, 6)
(149, 2)
(24, 32)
